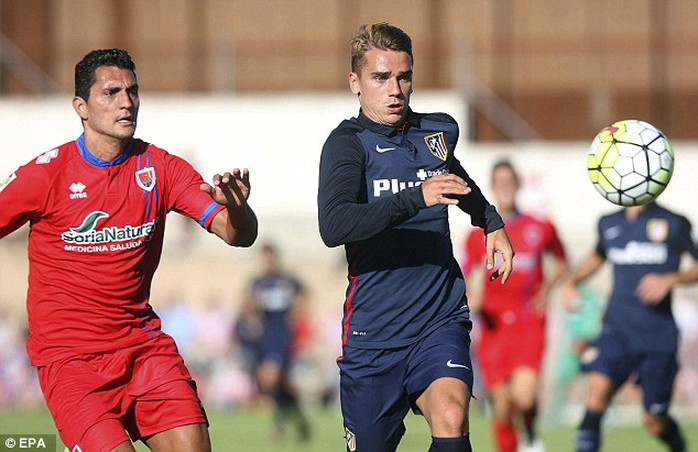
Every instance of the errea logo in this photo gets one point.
(77, 190)
(47, 156)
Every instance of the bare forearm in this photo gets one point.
(586, 268)
(237, 227)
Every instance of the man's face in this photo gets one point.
(112, 108)
(504, 188)
(384, 86)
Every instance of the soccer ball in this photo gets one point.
(630, 162)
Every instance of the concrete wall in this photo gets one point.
(567, 67)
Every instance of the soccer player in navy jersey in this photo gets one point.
(275, 296)
(387, 178)
(639, 336)
(96, 208)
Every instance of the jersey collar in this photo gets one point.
(91, 159)
(388, 131)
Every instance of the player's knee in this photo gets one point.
(654, 424)
(451, 419)
(524, 401)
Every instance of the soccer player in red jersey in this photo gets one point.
(97, 208)
(512, 332)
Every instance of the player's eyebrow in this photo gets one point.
(388, 73)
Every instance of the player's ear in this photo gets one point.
(354, 83)
(80, 107)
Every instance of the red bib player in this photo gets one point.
(512, 316)
(97, 208)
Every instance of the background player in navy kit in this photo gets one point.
(274, 296)
(386, 179)
(639, 335)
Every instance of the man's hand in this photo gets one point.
(653, 287)
(436, 189)
(231, 190)
(498, 242)
(237, 223)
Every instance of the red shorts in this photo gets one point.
(96, 398)
(502, 350)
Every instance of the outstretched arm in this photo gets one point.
(237, 223)
(587, 267)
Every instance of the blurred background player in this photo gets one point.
(97, 208)
(387, 178)
(276, 299)
(512, 316)
(639, 336)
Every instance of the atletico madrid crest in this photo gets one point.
(437, 145)
(657, 229)
(145, 178)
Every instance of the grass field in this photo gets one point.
(248, 431)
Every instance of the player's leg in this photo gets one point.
(656, 376)
(289, 407)
(524, 389)
(84, 395)
(502, 421)
(126, 446)
(440, 380)
(372, 397)
(608, 364)
(494, 354)
(600, 390)
(165, 412)
(526, 358)
(193, 437)
(269, 375)
(444, 404)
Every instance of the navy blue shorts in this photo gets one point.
(612, 355)
(378, 387)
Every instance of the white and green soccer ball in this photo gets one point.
(630, 162)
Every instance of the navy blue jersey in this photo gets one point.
(652, 243)
(403, 278)
(275, 296)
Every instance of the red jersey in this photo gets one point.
(95, 240)
(531, 238)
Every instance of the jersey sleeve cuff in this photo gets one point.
(493, 220)
(209, 214)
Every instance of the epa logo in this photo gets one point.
(28, 442)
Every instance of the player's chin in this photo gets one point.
(394, 119)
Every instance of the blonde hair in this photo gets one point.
(381, 36)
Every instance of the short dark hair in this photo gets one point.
(505, 163)
(381, 36)
(85, 69)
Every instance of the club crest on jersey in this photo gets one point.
(657, 229)
(437, 145)
(145, 178)
(7, 181)
(351, 439)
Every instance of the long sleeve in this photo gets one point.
(482, 213)
(344, 214)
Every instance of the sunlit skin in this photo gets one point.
(110, 114)
(384, 85)
(504, 188)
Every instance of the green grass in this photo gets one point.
(249, 431)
